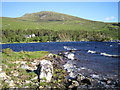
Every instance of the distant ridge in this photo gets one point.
(49, 16)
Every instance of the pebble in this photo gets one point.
(16, 74)
(0, 69)
(34, 78)
(23, 62)
(50, 55)
(71, 56)
(34, 63)
(3, 75)
(11, 83)
(27, 81)
(72, 74)
(95, 76)
(24, 66)
(83, 68)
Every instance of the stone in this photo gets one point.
(95, 76)
(80, 77)
(3, 75)
(17, 62)
(0, 68)
(109, 82)
(104, 81)
(16, 74)
(46, 70)
(34, 63)
(26, 87)
(71, 56)
(11, 83)
(74, 84)
(27, 81)
(83, 68)
(32, 68)
(41, 87)
(5, 65)
(24, 66)
(23, 62)
(86, 81)
(50, 55)
(73, 74)
(68, 65)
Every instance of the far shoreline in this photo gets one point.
(60, 41)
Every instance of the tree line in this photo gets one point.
(42, 35)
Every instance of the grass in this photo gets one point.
(8, 57)
(54, 22)
(58, 79)
(15, 24)
(13, 56)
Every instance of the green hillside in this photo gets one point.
(49, 16)
(56, 23)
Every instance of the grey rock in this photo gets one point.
(46, 70)
(74, 84)
(24, 66)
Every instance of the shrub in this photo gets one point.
(7, 51)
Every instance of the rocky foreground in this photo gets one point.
(53, 71)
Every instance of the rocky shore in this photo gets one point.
(86, 78)
(53, 71)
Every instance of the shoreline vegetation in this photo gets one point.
(18, 36)
(26, 70)
(59, 41)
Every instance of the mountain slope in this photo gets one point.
(53, 26)
(49, 16)
(53, 21)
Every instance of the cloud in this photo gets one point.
(109, 18)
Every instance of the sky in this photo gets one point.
(60, 0)
(97, 11)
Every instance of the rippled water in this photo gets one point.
(99, 63)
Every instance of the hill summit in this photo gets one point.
(49, 16)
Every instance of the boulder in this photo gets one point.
(46, 70)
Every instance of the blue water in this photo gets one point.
(97, 62)
(108, 47)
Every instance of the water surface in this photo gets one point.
(95, 61)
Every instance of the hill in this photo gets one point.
(49, 16)
(56, 23)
